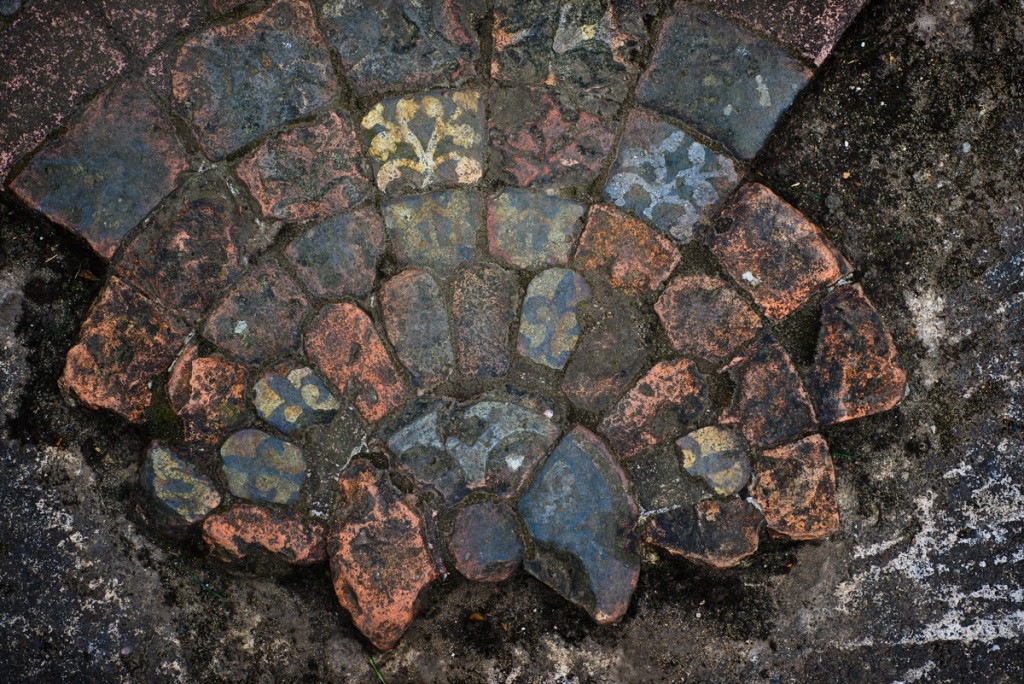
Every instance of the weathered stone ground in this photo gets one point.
(907, 149)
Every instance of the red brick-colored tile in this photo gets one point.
(773, 252)
(379, 553)
(770, 404)
(705, 318)
(208, 394)
(624, 251)
(672, 395)
(244, 532)
(538, 137)
(795, 487)
(856, 371)
(260, 318)
(126, 342)
(342, 341)
(309, 172)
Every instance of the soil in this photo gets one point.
(908, 149)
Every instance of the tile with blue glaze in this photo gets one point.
(294, 400)
(416, 322)
(663, 175)
(580, 515)
(717, 456)
(416, 437)
(180, 495)
(498, 444)
(338, 257)
(713, 75)
(259, 467)
(548, 327)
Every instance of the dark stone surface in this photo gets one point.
(591, 46)
(856, 371)
(580, 516)
(437, 231)
(663, 175)
(416, 322)
(116, 162)
(485, 304)
(494, 443)
(192, 248)
(609, 357)
(236, 82)
(56, 53)
(769, 404)
(143, 25)
(261, 315)
(539, 137)
(403, 44)
(725, 82)
(338, 258)
(262, 468)
(718, 534)
(485, 542)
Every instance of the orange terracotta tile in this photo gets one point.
(773, 252)
(795, 487)
(244, 532)
(380, 561)
(342, 341)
